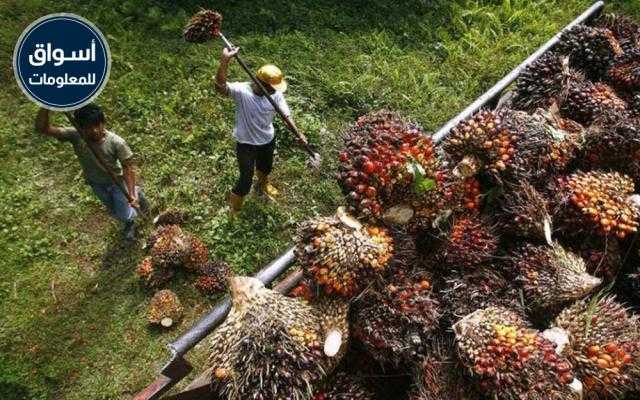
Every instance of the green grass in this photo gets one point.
(72, 313)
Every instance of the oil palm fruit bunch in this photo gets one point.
(471, 242)
(152, 275)
(438, 377)
(306, 289)
(169, 247)
(541, 82)
(454, 194)
(586, 101)
(386, 162)
(602, 257)
(625, 72)
(631, 287)
(203, 26)
(509, 359)
(343, 386)
(591, 50)
(483, 287)
(597, 202)
(213, 277)
(551, 277)
(397, 317)
(535, 156)
(164, 309)
(603, 344)
(524, 213)
(613, 142)
(170, 216)
(197, 254)
(567, 134)
(340, 254)
(481, 143)
(621, 26)
(271, 346)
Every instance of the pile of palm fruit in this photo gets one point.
(171, 250)
(500, 263)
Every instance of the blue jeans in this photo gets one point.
(115, 201)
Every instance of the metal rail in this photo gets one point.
(177, 367)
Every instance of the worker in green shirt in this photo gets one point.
(113, 152)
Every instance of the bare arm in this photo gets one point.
(221, 75)
(43, 125)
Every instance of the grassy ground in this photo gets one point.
(72, 320)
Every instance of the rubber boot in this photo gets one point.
(235, 204)
(130, 230)
(264, 188)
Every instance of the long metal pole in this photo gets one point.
(495, 91)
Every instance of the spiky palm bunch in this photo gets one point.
(586, 101)
(603, 345)
(270, 346)
(396, 318)
(597, 202)
(343, 386)
(471, 242)
(165, 309)
(551, 277)
(591, 50)
(213, 277)
(152, 275)
(481, 143)
(524, 213)
(509, 359)
(168, 245)
(203, 26)
(340, 255)
(625, 72)
(602, 257)
(541, 82)
(621, 26)
(613, 142)
(386, 162)
(481, 288)
(438, 377)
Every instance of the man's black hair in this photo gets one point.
(89, 115)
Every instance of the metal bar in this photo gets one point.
(491, 94)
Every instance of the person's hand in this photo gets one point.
(228, 54)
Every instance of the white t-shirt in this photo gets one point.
(254, 114)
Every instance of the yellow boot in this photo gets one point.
(235, 204)
(264, 188)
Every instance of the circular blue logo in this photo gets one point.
(62, 61)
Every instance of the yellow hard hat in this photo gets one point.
(273, 76)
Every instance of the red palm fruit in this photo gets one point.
(471, 242)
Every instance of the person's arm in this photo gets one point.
(221, 75)
(43, 125)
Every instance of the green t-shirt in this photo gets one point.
(113, 151)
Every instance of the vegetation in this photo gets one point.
(72, 314)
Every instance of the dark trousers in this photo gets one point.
(252, 157)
